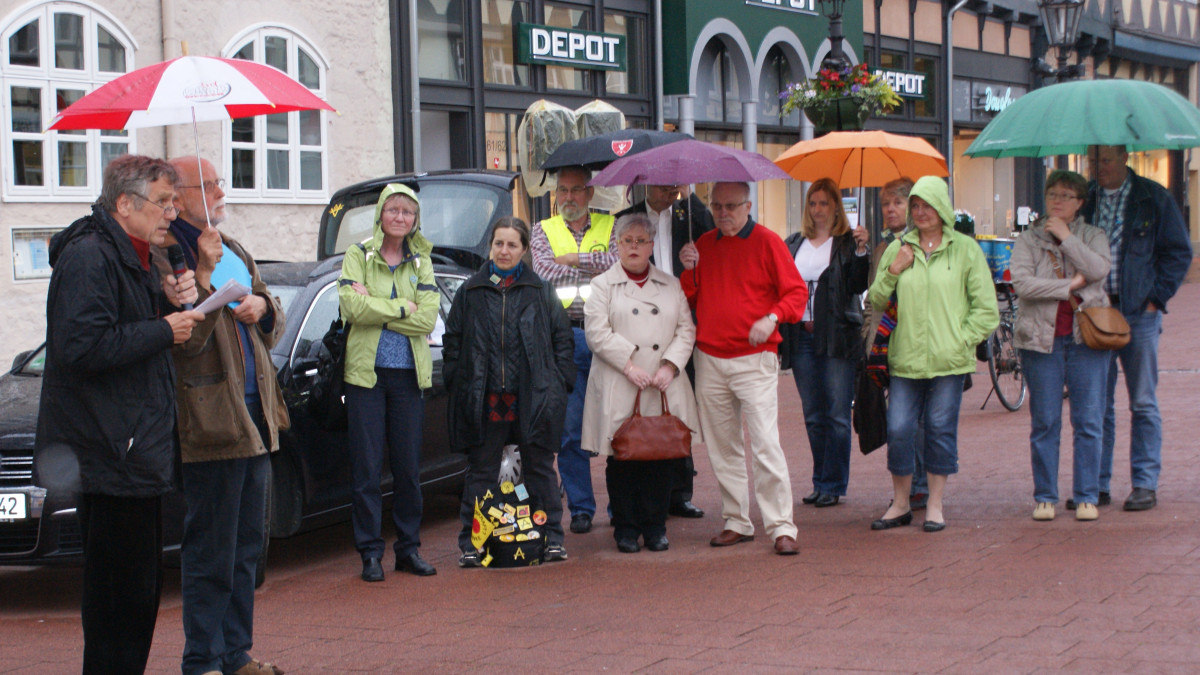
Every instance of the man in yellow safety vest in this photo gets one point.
(568, 250)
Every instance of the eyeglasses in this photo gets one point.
(576, 191)
(209, 185)
(635, 242)
(731, 206)
(1061, 196)
(170, 206)
(394, 210)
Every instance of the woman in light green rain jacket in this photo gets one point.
(389, 302)
(945, 305)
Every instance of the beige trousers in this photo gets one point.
(727, 389)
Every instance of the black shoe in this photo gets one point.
(469, 559)
(933, 526)
(628, 546)
(658, 543)
(685, 509)
(555, 553)
(1104, 500)
(826, 500)
(811, 498)
(372, 570)
(889, 523)
(581, 523)
(413, 564)
(1141, 499)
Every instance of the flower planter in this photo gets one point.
(845, 114)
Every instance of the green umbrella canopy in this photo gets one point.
(1066, 118)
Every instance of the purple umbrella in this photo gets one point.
(688, 161)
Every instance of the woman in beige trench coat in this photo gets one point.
(640, 330)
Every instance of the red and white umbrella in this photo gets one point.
(189, 89)
(186, 90)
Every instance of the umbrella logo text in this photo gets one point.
(619, 148)
(207, 92)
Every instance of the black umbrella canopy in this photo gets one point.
(595, 152)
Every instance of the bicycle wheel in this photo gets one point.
(1004, 365)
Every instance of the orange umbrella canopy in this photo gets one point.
(862, 158)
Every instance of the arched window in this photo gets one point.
(50, 56)
(718, 95)
(280, 157)
(775, 77)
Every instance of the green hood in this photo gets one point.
(933, 191)
(416, 242)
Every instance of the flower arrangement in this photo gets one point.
(871, 93)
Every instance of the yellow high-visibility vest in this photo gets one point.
(562, 241)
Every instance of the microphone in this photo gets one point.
(178, 265)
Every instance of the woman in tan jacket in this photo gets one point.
(640, 330)
(1059, 257)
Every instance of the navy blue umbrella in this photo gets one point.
(596, 152)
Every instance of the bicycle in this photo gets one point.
(1004, 361)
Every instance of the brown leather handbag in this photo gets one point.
(657, 437)
(1102, 328)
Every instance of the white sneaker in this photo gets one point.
(1043, 511)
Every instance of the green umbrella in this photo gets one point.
(1064, 119)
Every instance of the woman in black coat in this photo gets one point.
(508, 360)
(824, 347)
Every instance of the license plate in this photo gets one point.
(12, 506)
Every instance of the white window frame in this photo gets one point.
(261, 194)
(49, 78)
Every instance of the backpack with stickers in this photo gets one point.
(508, 527)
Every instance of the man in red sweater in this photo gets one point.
(742, 282)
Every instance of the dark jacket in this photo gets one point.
(1156, 251)
(214, 423)
(701, 222)
(545, 355)
(836, 304)
(108, 390)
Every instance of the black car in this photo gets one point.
(310, 483)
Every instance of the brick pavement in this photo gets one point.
(994, 592)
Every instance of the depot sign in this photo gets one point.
(548, 45)
(905, 83)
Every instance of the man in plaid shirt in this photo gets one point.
(1151, 253)
(568, 250)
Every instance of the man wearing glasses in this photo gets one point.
(568, 250)
(680, 221)
(231, 411)
(741, 282)
(108, 398)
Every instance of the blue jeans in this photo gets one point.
(574, 465)
(1139, 362)
(826, 387)
(222, 542)
(385, 421)
(935, 403)
(1085, 372)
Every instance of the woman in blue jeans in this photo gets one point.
(824, 347)
(1062, 258)
(946, 305)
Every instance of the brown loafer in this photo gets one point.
(729, 538)
(256, 667)
(786, 545)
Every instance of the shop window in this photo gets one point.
(565, 77)
(56, 53)
(776, 75)
(441, 40)
(281, 156)
(927, 106)
(500, 21)
(895, 61)
(633, 80)
(718, 96)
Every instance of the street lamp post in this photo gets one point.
(836, 58)
(1060, 18)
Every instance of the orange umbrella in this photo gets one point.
(862, 158)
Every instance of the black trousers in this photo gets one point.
(122, 581)
(639, 493)
(483, 472)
